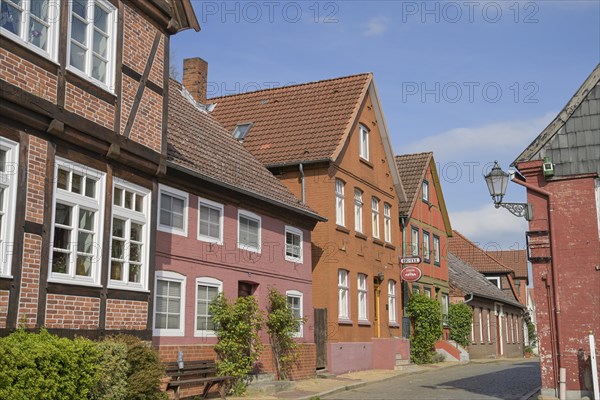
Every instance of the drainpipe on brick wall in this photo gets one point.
(301, 167)
(553, 269)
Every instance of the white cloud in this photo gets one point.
(376, 26)
(505, 139)
(491, 228)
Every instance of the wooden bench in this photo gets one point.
(196, 372)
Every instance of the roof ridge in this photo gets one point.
(481, 250)
(414, 154)
(294, 85)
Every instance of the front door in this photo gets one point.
(376, 314)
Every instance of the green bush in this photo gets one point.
(43, 366)
(281, 327)
(460, 318)
(238, 347)
(426, 315)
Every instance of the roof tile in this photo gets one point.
(474, 255)
(412, 169)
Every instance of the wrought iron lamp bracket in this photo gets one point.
(519, 209)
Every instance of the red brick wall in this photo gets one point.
(3, 307)
(126, 314)
(27, 76)
(36, 173)
(576, 256)
(72, 312)
(147, 128)
(28, 302)
(90, 107)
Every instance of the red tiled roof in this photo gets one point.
(513, 259)
(473, 255)
(297, 123)
(412, 169)
(197, 143)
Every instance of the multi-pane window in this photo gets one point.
(489, 333)
(77, 223)
(358, 204)
(92, 37)
(427, 291)
(495, 280)
(426, 246)
(130, 236)
(364, 142)
(294, 302)
(392, 315)
(169, 307)
(414, 241)
(343, 299)
(207, 289)
(436, 250)
(210, 221)
(375, 216)
(387, 222)
(339, 202)
(481, 325)
(293, 244)
(425, 191)
(34, 22)
(173, 211)
(8, 192)
(248, 231)
(362, 297)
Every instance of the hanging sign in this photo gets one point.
(411, 274)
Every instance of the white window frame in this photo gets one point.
(427, 291)
(375, 217)
(130, 216)
(339, 202)
(204, 281)
(392, 310)
(53, 22)
(250, 215)
(436, 250)
(364, 142)
(177, 278)
(425, 191)
(480, 325)
(426, 246)
(297, 232)
(178, 194)
(445, 308)
(495, 280)
(489, 333)
(358, 206)
(363, 301)
(215, 206)
(343, 295)
(414, 241)
(387, 222)
(111, 45)
(473, 327)
(8, 181)
(76, 201)
(298, 295)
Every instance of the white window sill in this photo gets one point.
(209, 239)
(6, 33)
(294, 260)
(93, 81)
(74, 281)
(206, 334)
(249, 248)
(364, 322)
(345, 321)
(172, 230)
(112, 285)
(167, 332)
(2, 276)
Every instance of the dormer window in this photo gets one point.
(241, 130)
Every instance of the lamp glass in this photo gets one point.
(497, 181)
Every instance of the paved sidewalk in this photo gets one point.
(317, 387)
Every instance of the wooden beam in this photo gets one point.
(119, 68)
(140, 92)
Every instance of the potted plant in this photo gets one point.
(528, 351)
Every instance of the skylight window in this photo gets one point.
(241, 130)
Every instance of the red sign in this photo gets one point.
(411, 274)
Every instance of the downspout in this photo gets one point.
(553, 268)
(301, 167)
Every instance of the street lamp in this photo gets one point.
(497, 182)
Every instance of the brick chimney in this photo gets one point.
(195, 77)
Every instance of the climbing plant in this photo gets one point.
(426, 316)
(281, 327)
(460, 318)
(236, 326)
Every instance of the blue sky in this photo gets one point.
(472, 81)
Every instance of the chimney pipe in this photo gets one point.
(195, 77)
